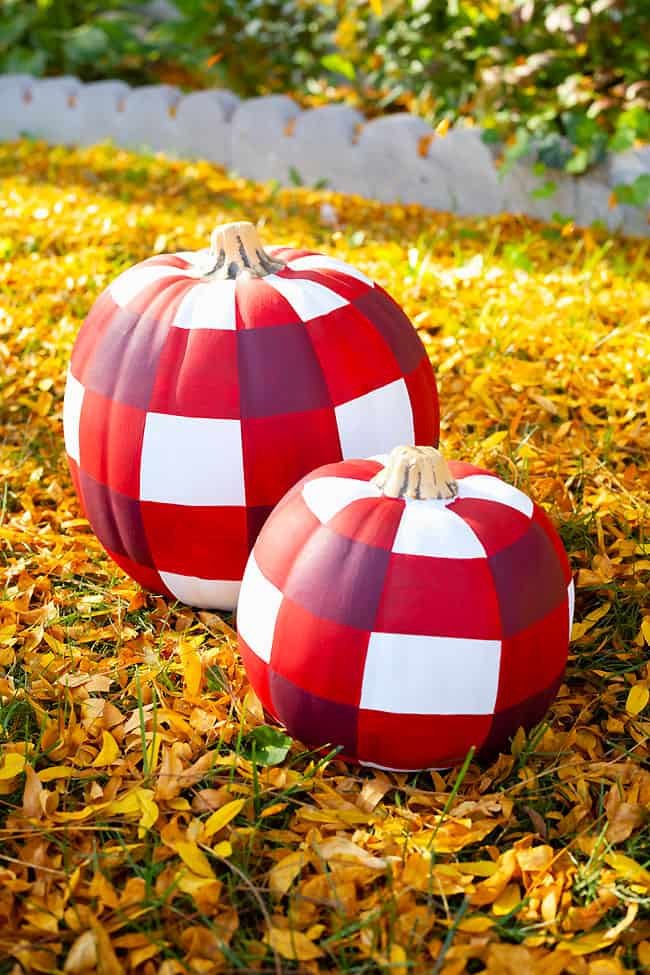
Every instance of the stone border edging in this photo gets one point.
(395, 158)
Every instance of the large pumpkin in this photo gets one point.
(204, 384)
(406, 612)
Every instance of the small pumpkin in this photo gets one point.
(406, 610)
(204, 384)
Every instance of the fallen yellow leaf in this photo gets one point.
(628, 869)
(507, 900)
(82, 956)
(194, 858)
(292, 945)
(494, 439)
(285, 871)
(222, 817)
(109, 751)
(12, 766)
(580, 628)
(637, 699)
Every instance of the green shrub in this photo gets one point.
(90, 38)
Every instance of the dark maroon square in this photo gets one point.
(525, 715)
(279, 372)
(116, 520)
(125, 362)
(387, 316)
(255, 519)
(529, 580)
(313, 719)
(97, 322)
(339, 579)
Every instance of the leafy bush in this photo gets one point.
(90, 38)
(569, 80)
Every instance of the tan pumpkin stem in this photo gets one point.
(237, 249)
(416, 472)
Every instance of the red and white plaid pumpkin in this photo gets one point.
(406, 613)
(204, 384)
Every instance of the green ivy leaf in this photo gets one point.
(268, 745)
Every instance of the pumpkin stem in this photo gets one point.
(416, 472)
(237, 249)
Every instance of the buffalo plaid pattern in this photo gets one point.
(405, 631)
(193, 405)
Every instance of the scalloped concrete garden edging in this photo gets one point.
(396, 158)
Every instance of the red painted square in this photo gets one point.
(277, 546)
(208, 542)
(355, 468)
(258, 305)
(439, 597)
(414, 741)
(258, 675)
(495, 525)
(197, 374)
(534, 658)
(110, 442)
(76, 481)
(345, 285)
(460, 469)
(423, 394)
(279, 450)
(354, 356)
(289, 253)
(373, 521)
(320, 656)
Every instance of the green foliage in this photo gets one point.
(90, 38)
(566, 81)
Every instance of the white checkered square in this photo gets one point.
(72, 403)
(210, 305)
(488, 488)
(192, 460)
(407, 674)
(375, 422)
(318, 262)
(128, 285)
(326, 496)
(307, 298)
(207, 593)
(429, 528)
(258, 610)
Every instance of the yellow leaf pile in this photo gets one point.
(137, 833)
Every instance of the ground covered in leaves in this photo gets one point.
(149, 821)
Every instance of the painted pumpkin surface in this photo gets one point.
(406, 612)
(203, 385)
